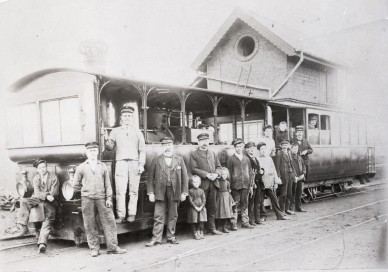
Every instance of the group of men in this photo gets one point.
(167, 184)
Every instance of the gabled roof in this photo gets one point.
(282, 37)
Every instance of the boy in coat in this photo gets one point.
(167, 185)
(241, 183)
(92, 179)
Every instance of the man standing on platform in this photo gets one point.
(205, 163)
(167, 185)
(130, 160)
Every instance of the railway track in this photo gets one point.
(179, 258)
(223, 242)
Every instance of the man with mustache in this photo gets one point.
(205, 163)
(167, 185)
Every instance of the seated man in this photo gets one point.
(46, 189)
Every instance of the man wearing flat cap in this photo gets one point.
(92, 179)
(205, 163)
(241, 182)
(286, 173)
(304, 150)
(130, 160)
(167, 185)
(46, 190)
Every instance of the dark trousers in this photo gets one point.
(285, 195)
(240, 197)
(211, 205)
(26, 204)
(298, 195)
(169, 207)
(90, 209)
(256, 208)
(274, 202)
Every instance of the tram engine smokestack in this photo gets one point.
(94, 52)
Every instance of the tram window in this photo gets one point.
(354, 132)
(325, 130)
(225, 135)
(252, 130)
(313, 128)
(70, 123)
(60, 120)
(345, 136)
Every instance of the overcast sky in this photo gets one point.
(155, 40)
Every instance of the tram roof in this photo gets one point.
(28, 79)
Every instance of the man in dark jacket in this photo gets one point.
(167, 185)
(304, 148)
(256, 209)
(286, 173)
(241, 183)
(300, 173)
(205, 163)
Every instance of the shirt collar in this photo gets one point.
(239, 156)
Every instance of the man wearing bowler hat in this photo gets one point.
(304, 150)
(130, 160)
(241, 182)
(46, 190)
(167, 185)
(92, 179)
(205, 163)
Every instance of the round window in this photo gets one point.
(246, 47)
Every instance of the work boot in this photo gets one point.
(197, 236)
(252, 224)
(119, 220)
(131, 218)
(215, 232)
(290, 212)
(152, 243)
(118, 250)
(94, 253)
(42, 248)
(22, 230)
(200, 233)
(225, 230)
(247, 226)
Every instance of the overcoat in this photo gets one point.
(284, 167)
(202, 163)
(158, 178)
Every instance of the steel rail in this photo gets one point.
(191, 252)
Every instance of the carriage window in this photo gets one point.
(345, 135)
(313, 128)
(225, 135)
(22, 125)
(60, 120)
(354, 132)
(252, 130)
(325, 130)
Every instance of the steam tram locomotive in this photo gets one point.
(53, 113)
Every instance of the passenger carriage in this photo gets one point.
(53, 113)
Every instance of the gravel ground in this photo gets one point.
(309, 242)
